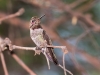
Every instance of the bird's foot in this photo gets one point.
(37, 51)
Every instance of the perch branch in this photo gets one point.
(24, 48)
(34, 48)
(64, 49)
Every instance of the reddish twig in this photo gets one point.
(21, 63)
(76, 3)
(33, 2)
(18, 13)
(56, 22)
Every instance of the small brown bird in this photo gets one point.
(40, 38)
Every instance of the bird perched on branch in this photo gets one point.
(40, 38)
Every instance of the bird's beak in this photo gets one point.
(41, 17)
(38, 19)
(30, 26)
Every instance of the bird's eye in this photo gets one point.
(33, 21)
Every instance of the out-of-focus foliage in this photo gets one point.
(66, 30)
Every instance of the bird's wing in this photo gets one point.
(49, 51)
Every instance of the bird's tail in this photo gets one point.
(51, 56)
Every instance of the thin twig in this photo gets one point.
(24, 48)
(20, 62)
(4, 64)
(64, 49)
(34, 48)
(65, 69)
(82, 35)
(64, 63)
(47, 61)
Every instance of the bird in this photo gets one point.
(40, 38)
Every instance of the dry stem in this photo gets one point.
(65, 69)
(64, 63)
(3, 63)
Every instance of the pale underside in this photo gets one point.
(37, 37)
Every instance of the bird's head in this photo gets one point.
(35, 21)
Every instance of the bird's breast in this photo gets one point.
(37, 37)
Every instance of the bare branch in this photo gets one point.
(24, 48)
(34, 48)
(83, 35)
(64, 64)
(65, 69)
(3, 63)
(47, 61)
(56, 22)
(64, 49)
